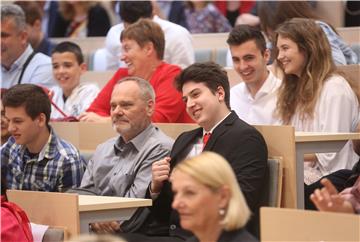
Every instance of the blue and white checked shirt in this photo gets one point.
(56, 168)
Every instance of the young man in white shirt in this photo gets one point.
(254, 99)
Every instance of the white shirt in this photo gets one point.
(336, 110)
(39, 70)
(78, 101)
(260, 109)
(178, 45)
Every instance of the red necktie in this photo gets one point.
(205, 139)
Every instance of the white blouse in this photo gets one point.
(337, 110)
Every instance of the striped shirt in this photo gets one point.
(56, 168)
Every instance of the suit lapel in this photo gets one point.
(187, 140)
(220, 130)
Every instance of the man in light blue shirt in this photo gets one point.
(19, 63)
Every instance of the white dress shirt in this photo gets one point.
(337, 110)
(260, 109)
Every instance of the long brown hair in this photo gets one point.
(300, 94)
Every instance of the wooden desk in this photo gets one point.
(72, 211)
(309, 143)
(102, 208)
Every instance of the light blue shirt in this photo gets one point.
(39, 70)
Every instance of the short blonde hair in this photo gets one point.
(213, 171)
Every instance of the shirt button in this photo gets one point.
(173, 227)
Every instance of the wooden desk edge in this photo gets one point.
(309, 137)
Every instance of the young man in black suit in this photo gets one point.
(205, 89)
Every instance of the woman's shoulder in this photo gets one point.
(239, 235)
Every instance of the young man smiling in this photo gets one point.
(36, 158)
(254, 99)
(205, 91)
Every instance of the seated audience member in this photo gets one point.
(329, 199)
(254, 99)
(19, 63)
(36, 158)
(122, 166)
(143, 44)
(5, 134)
(178, 42)
(204, 17)
(205, 89)
(15, 225)
(170, 10)
(238, 12)
(340, 180)
(82, 19)
(272, 14)
(209, 200)
(33, 16)
(71, 96)
(314, 96)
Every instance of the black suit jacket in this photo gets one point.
(240, 235)
(240, 144)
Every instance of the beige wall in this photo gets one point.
(332, 12)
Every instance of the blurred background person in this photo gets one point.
(238, 12)
(143, 51)
(178, 41)
(209, 200)
(83, 19)
(33, 16)
(204, 17)
(19, 63)
(272, 14)
(5, 134)
(71, 96)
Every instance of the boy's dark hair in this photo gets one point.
(243, 33)
(132, 11)
(210, 73)
(68, 46)
(32, 97)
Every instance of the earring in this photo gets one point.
(221, 212)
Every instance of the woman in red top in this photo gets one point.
(143, 44)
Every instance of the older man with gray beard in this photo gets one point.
(121, 166)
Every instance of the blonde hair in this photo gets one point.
(300, 94)
(213, 171)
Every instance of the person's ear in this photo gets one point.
(220, 92)
(150, 107)
(149, 48)
(267, 55)
(224, 197)
(41, 120)
(83, 67)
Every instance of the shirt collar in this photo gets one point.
(138, 141)
(49, 149)
(264, 89)
(19, 62)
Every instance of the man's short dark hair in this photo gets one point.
(33, 98)
(68, 46)
(210, 73)
(132, 11)
(243, 33)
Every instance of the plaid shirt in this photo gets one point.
(342, 54)
(56, 168)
